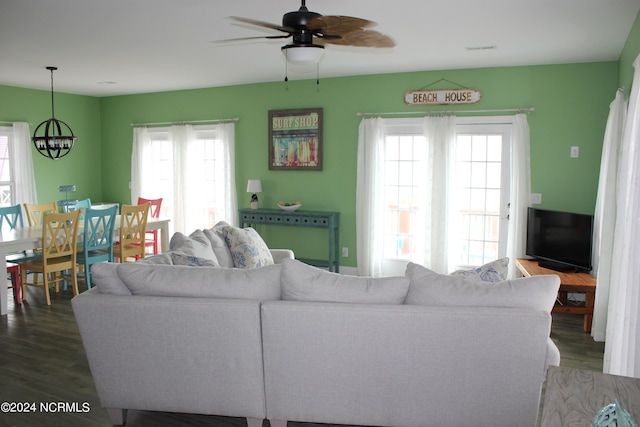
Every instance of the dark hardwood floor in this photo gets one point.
(43, 362)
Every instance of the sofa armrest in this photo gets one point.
(553, 356)
(280, 255)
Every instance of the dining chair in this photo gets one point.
(97, 239)
(133, 227)
(35, 213)
(14, 272)
(10, 218)
(59, 240)
(151, 239)
(82, 205)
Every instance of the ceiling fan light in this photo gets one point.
(303, 55)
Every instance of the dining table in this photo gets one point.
(26, 238)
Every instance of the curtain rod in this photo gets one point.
(426, 113)
(10, 123)
(188, 122)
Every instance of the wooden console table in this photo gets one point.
(573, 397)
(569, 282)
(314, 219)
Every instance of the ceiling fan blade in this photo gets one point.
(362, 38)
(338, 25)
(239, 39)
(262, 24)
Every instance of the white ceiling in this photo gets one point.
(116, 47)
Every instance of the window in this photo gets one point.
(405, 167)
(477, 210)
(188, 166)
(7, 182)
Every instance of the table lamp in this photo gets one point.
(254, 186)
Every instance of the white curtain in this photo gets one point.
(605, 213)
(520, 191)
(182, 191)
(227, 134)
(622, 352)
(369, 197)
(24, 176)
(440, 136)
(141, 144)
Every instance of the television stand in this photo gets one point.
(569, 282)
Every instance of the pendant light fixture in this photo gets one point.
(56, 139)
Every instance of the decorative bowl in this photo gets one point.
(290, 208)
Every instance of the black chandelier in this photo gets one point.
(53, 142)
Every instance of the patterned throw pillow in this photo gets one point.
(248, 250)
(494, 272)
(191, 261)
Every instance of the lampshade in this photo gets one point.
(304, 54)
(254, 186)
(53, 138)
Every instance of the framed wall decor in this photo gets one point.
(295, 139)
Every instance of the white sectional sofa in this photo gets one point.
(289, 342)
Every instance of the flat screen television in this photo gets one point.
(560, 241)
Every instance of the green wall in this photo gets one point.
(629, 53)
(571, 103)
(82, 166)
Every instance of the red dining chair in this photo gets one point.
(151, 239)
(14, 271)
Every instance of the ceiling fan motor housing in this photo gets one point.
(298, 21)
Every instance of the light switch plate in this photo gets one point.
(575, 152)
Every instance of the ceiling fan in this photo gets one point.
(310, 31)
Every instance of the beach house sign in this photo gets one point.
(442, 97)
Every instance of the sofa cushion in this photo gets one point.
(494, 271)
(201, 282)
(302, 282)
(196, 244)
(219, 246)
(432, 289)
(104, 275)
(164, 258)
(248, 250)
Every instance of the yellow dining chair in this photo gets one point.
(133, 227)
(35, 213)
(59, 240)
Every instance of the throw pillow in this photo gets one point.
(495, 271)
(164, 258)
(261, 284)
(219, 246)
(248, 250)
(196, 245)
(432, 289)
(302, 282)
(179, 258)
(104, 276)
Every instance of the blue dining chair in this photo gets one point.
(97, 240)
(82, 205)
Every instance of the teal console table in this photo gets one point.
(328, 220)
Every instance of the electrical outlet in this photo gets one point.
(345, 252)
(536, 198)
(575, 152)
